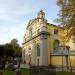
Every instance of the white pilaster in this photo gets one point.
(43, 50)
(23, 55)
(33, 53)
(74, 43)
(73, 38)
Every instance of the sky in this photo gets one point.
(15, 15)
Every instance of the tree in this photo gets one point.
(1, 51)
(18, 50)
(67, 19)
(6, 51)
(16, 47)
(9, 51)
(67, 11)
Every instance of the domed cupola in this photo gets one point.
(41, 14)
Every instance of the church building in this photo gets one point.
(47, 44)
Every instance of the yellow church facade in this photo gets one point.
(46, 44)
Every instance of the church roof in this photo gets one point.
(31, 21)
(54, 25)
(38, 17)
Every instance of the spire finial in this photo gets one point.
(41, 14)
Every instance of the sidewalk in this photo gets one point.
(24, 66)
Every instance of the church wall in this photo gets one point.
(51, 40)
(35, 26)
(71, 43)
(56, 60)
(29, 45)
(72, 61)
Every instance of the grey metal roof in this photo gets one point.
(62, 53)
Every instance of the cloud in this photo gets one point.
(15, 12)
(12, 20)
(14, 16)
(12, 10)
(7, 34)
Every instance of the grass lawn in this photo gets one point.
(7, 72)
(25, 71)
(65, 73)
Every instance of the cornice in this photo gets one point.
(39, 34)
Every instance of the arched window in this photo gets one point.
(30, 32)
(55, 31)
(38, 30)
(73, 40)
(23, 52)
(29, 56)
(56, 44)
(29, 51)
(38, 50)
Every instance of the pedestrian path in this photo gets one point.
(24, 66)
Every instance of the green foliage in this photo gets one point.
(67, 11)
(16, 47)
(10, 50)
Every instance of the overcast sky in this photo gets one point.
(15, 14)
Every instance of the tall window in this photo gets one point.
(55, 31)
(31, 32)
(38, 30)
(29, 55)
(56, 44)
(24, 52)
(73, 40)
(38, 50)
(29, 51)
